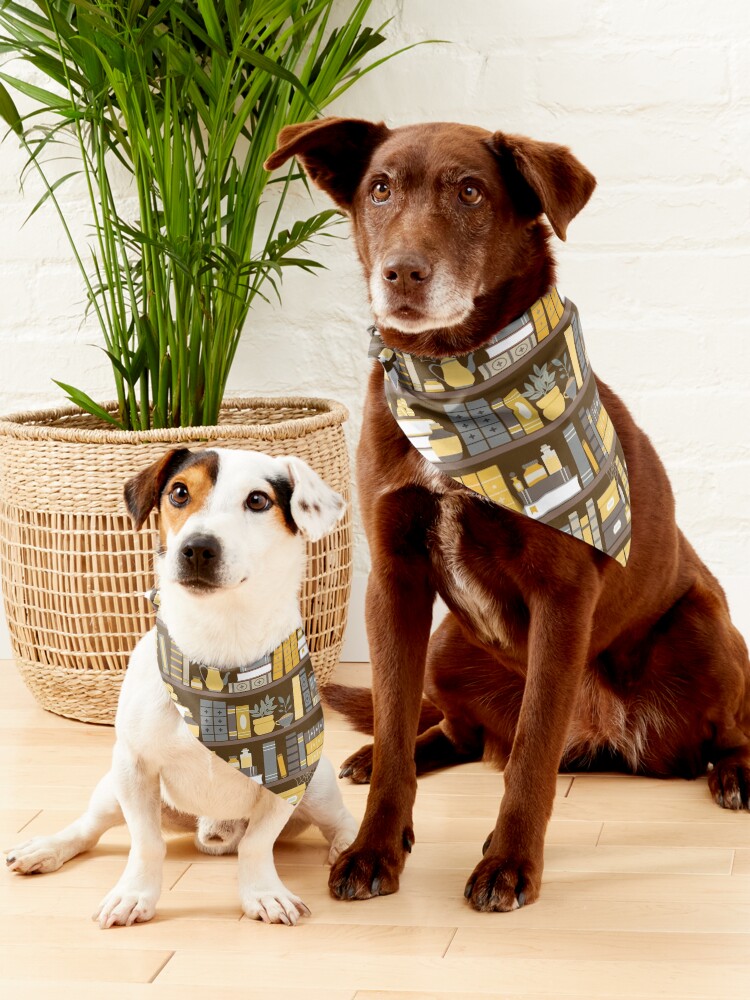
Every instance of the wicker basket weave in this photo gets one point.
(74, 571)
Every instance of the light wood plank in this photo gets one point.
(632, 978)
(728, 834)
(621, 797)
(79, 990)
(125, 965)
(741, 862)
(601, 995)
(612, 946)
(169, 932)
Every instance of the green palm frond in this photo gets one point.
(188, 96)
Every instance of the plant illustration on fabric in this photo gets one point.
(264, 708)
(542, 386)
(542, 382)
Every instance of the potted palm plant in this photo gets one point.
(184, 98)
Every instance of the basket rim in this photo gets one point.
(30, 424)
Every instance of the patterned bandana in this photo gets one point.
(265, 719)
(520, 421)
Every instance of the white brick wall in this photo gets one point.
(653, 96)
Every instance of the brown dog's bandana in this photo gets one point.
(520, 421)
(265, 719)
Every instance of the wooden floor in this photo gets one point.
(646, 894)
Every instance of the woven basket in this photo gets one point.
(74, 570)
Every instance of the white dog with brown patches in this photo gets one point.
(229, 567)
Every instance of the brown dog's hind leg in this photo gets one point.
(729, 780)
(434, 751)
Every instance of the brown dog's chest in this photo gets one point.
(470, 550)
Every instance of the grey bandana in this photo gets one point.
(264, 719)
(520, 421)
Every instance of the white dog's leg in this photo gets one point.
(323, 806)
(262, 893)
(47, 854)
(138, 790)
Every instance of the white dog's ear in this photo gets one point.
(314, 506)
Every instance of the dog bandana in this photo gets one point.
(520, 421)
(265, 719)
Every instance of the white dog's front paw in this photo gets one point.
(39, 855)
(275, 905)
(126, 905)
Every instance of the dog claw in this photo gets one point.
(408, 840)
(345, 772)
(468, 890)
(375, 887)
(521, 899)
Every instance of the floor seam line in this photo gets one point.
(164, 964)
(450, 942)
(35, 816)
(181, 875)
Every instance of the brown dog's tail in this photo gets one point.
(355, 704)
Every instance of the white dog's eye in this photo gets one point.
(179, 495)
(257, 500)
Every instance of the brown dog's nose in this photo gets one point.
(408, 269)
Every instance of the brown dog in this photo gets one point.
(553, 652)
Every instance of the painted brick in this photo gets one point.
(669, 145)
(432, 81)
(670, 19)
(666, 216)
(476, 23)
(588, 78)
(686, 283)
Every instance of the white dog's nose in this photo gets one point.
(199, 551)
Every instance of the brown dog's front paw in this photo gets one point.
(729, 782)
(358, 767)
(501, 884)
(361, 873)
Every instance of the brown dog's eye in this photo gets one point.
(179, 495)
(258, 501)
(470, 195)
(380, 192)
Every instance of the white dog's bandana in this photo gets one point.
(520, 421)
(265, 719)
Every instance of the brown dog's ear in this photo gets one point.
(543, 177)
(142, 492)
(333, 151)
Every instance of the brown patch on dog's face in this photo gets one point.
(186, 491)
(282, 490)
